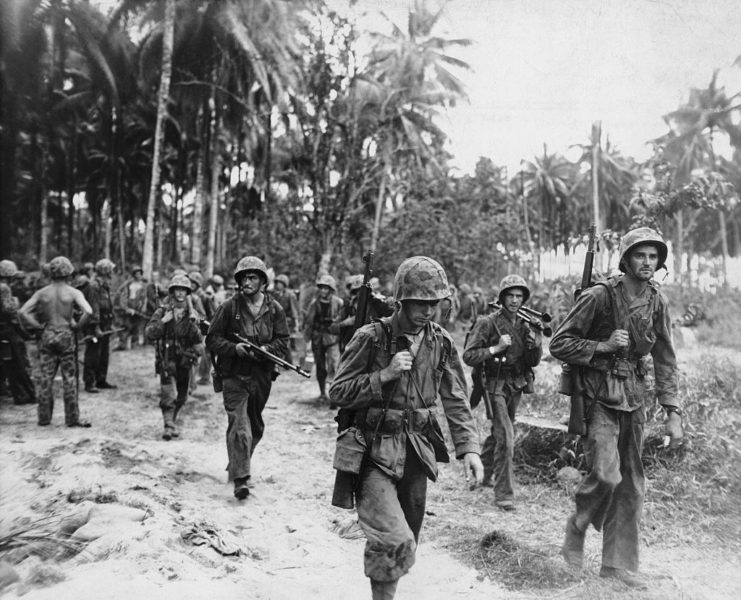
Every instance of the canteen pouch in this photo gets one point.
(350, 450)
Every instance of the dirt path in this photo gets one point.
(287, 532)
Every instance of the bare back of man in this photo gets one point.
(54, 306)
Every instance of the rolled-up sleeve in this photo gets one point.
(665, 360)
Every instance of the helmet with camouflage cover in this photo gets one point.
(137, 269)
(282, 278)
(196, 277)
(8, 268)
(179, 281)
(217, 280)
(60, 267)
(329, 281)
(513, 281)
(465, 288)
(639, 237)
(420, 278)
(104, 266)
(354, 282)
(250, 263)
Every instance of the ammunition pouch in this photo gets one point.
(392, 421)
(350, 451)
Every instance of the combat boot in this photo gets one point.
(241, 490)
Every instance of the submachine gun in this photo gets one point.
(571, 381)
(345, 481)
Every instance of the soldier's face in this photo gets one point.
(513, 299)
(251, 283)
(643, 261)
(415, 314)
(179, 294)
(324, 291)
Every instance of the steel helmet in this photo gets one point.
(250, 263)
(420, 278)
(513, 281)
(217, 279)
(638, 237)
(8, 268)
(179, 281)
(196, 278)
(465, 288)
(136, 268)
(104, 266)
(60, 267)
(354, 282)
(282, 279)
(329, 281)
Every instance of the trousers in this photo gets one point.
(97, 353)
(611, 496)
(498, 448)
(245, 397)
(57, 351)
(173, 393)
(390, 513)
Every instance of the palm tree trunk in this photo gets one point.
(723, 243)
(215, 172)
(195, 242)
(380, 201)
(162, 98)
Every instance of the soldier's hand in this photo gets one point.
(673, 429)
(167, 317)
(243, 350)
(401, 362)
(618, 339)
(505, 340)
(474, 469)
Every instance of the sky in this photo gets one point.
(544, 70)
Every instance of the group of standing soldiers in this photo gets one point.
(390, 376)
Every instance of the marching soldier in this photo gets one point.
(607, 336)
(505, 348)
(245, 379)
(51, 311)
(132, 304)
(391, 375)
(323, 310)
(178, 340)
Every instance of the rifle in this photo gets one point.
(262, 353)
(529, 316)
(571, 380)
(94, 338)
(345, 482)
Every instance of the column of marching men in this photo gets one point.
(393, 379)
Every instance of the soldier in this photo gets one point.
(467, 312)
(505, 348)
(322, 311)
(202, 305)
(51, 311)
(606, 337)
(132, 304)
(97, 347)
(287, 298)
(391, 374)
(246, 380)
(345, 325)
(215, 293)
(174, 329)
(14, 365)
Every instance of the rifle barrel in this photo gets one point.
(272, 357)
(531, 319)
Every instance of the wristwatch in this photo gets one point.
(672, 409)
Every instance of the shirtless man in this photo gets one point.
(51, 310)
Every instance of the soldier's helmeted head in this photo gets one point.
(420, 278)
(8, 269)
(251, 264)
(640, 237)
(60, 267)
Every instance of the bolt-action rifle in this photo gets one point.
(344, 482)
(571, 380)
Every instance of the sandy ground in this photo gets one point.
(148, 494)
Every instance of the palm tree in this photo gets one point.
(414, 70)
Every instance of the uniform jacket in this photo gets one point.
(597, 312)
(357, 385)
(267, 329)
(98, 295)
(524, 353)
(182, 337)
(137, 300)
(319, 332)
